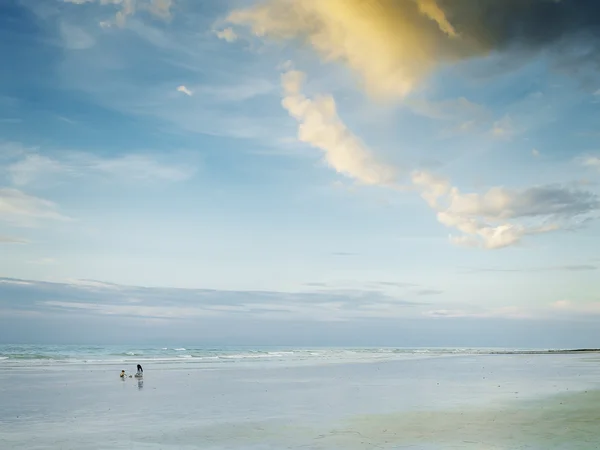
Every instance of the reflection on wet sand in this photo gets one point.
(567, 421)
(564, 421)
(482, 402)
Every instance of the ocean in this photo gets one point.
(71, 397)
(60, 356)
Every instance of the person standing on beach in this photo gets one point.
(140, 371)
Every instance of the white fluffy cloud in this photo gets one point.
(391, 45)
(501, 217)
(321, 127)
(498, 218)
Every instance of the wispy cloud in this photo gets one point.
(21, 209)
(137, 167)
(227, 34)
(109, 299)
(185, 90)
(504, 128)
(126, 8)
(572, 307)
(565, 268)
(507, 312)
(429, 292)
(75, 38)
(12, 240)
(33, 167)
(462, 115)
(399, 284)
(44, 261)
(591, 161)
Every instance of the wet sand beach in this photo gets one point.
(549, 401)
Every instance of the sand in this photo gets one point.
(472, 402)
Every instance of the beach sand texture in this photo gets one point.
(465, 401)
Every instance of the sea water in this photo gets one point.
(71, 397)
(61, 355)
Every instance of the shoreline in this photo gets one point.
(543, 352)
(219, 359)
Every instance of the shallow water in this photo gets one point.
(468, 401)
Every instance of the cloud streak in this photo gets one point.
(565, 268)
(127, 8)
(18, 208)
(12, 240)
(185, 90)
(88, 299)
(109, 299)
(32, 167)
(321, 127)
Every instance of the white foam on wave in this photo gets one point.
(179, 349)
(185, 356)
(3, 358)
(245, 356)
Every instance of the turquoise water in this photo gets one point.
(36, 355)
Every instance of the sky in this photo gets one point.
(340, 172)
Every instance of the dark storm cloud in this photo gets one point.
(530, 24)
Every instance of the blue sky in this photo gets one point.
(299, 167)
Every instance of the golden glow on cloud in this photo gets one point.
(432, 10)
(392, 45)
